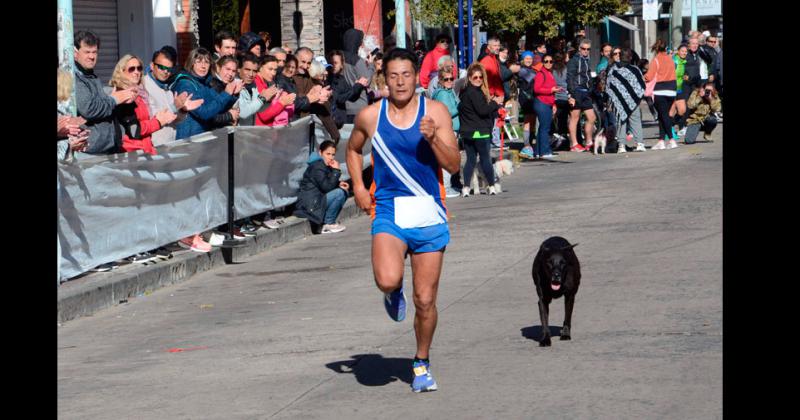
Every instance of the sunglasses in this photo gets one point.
(547, 61)
(448, 79)
(584, 49)
(476, 77)
(163, 67)
(617, 53)
(137, 68)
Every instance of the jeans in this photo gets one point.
(692, 130)
(663, 104)
(544, 114)
(634, 124)
(473, 149)
(335, 199)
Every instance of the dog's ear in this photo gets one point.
(569, 247)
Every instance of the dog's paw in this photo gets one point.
(565, 334)
(565, 337)
(545, 342)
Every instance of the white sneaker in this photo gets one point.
(621, 148)
(491, 190)
(640, 147)
(672, 144)
(216, 239)
(682, 132)
(451, 193)
(659, 146)
(465, 192)
(333, 228)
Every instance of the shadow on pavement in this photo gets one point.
(535, 332)
(374, 369)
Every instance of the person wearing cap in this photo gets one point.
(525, 78)
(252, 43)
(317, 74)
(430, 63)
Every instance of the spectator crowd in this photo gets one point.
(552, 92)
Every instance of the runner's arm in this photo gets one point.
(355, 156)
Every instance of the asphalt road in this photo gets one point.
(300, 331)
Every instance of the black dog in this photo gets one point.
(556, 272)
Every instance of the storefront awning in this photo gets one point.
(622, 22)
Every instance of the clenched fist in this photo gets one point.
(427, 126)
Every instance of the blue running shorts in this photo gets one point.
(425, 239)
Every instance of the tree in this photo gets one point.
(225, 16)
(514, 16)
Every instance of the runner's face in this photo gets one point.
(401, 79)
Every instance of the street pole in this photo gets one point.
(66, 47)
(676, 24)
(461, 41)
(694, 15)
(469, 28)
(400, 22)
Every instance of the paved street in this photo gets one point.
(300, 331)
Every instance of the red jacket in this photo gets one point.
(543, 86)
(430, 64)
(492, 66)
(148, 126)
(276, 114)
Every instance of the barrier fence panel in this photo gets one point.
(111, 207)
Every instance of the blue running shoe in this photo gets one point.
(423, 380)
(395, 304)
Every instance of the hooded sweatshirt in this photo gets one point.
(355, 68)
(430, 64)
(492, 66)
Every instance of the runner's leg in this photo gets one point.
(426, 269)
(388, 256)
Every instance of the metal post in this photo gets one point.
(400, 22)
(461, 41)
(676, 24)
(471, 35)
(230, 242)
(694, 15)
(66, 47)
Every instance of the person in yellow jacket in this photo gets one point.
(703, 103)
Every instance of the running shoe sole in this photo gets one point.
(401, 305)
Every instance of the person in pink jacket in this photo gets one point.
(544, 91)
(281, 108)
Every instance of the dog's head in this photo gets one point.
(555, 265)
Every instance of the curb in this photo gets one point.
(90, 294)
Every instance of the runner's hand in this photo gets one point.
(363, 199)
(427, 126)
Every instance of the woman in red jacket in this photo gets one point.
(135, 117)
(430, 64)
(544, 101)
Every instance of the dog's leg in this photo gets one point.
(569, 302)
(543, 313)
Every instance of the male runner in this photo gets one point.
(412, 140)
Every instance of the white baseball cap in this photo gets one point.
(320, 59)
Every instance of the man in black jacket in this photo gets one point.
(579, 86)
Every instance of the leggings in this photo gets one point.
(476, 148)
(663, 104)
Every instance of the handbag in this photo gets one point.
(651, 85)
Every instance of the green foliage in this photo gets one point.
(225, 16)
(514, 16)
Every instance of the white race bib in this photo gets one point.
(416, 212)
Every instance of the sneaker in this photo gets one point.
(186, 242)
(682, 132)
(162, 253)
(577, 148)
(102, 268)
(249, 229)
(199, 245)
(395, 304)
(423, 379)
(707, 137)
(451, 192)
(640, 147)
(672, 144)
(216, 239)
(548, 156)
(333, 228)
(237, 233)
(621, 148)
(142, 257)
(272, 223)
(526, 152)
(491, 190)
(659, 146)
(465, 192)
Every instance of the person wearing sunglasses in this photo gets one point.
(544, 101)
(477, 113)
(430, 64)
(579, 86)
(135, 118)
(159, 76)
(444, 93)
